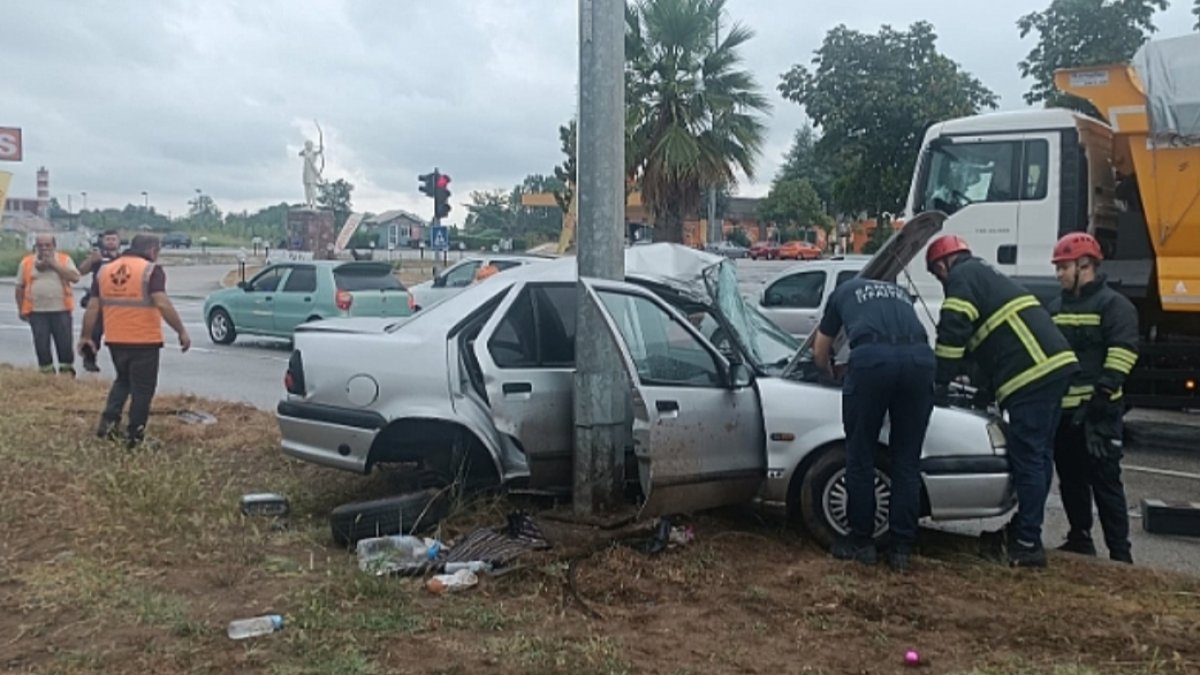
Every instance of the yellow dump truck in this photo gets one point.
(1014, 182)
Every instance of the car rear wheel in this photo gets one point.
(824, 502)
(220, 327)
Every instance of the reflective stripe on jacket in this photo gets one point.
(992, 320)
(27, 264)
(1101, 325)
(130, 315)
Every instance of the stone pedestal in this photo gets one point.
(311, 230)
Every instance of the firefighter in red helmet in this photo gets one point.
(1102, 327)
(1026, 362)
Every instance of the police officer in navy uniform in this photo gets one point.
(891, 372)
(1011, 339)
(1102, 327)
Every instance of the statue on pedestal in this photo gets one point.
(312, 174)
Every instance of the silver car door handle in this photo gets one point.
(517, 390)
(667, 408)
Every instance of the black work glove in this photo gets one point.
(941, 395)
(983, 398)
(1099, 444)
(1100, 405)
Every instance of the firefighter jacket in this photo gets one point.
(1102, 327)
(1001, 327)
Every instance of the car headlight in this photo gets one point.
(995, 430)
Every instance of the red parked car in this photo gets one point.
(764, 250)
(799, 250)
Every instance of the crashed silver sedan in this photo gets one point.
(726, 407)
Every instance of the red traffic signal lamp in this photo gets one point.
(441, 196)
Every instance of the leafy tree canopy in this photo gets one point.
(873, 96)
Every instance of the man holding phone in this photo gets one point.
(45, 301)
(107, 250)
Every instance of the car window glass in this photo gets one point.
(1035, 167)
(514, 343)
(366, 278)
(664, 353)
(845, 275)
(555, 325)
(502, 265)
(462, 275)
(268, 281)
(797, 291)
(301, 280)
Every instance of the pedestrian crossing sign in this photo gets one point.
(439, 238)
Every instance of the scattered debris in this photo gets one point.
(265, 504)
(442, 583)
(666, 535)
(259, 625)
(400, 554)
(475, 566)
(499, 547)
(195, 417)
(912, 658)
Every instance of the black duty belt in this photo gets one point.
(887, 340)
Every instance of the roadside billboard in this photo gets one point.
(10, 144)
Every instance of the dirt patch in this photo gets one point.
(119, 561)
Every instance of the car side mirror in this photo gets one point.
(438, 281)
(244, 285)
(740, 376)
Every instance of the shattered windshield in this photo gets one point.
(767, 346)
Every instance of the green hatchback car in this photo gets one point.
(285, 295)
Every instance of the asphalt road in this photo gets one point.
(1162, 461)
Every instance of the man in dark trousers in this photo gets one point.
(1102, 327)
(1027, 363)
(108, 250)
(131, 292)
(891, 373)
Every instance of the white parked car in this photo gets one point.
(452, 280)
(726, 407)
(795, 298)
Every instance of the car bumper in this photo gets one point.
(340, 438)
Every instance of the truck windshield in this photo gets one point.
(959, 174)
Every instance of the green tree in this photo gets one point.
(793, 202)
(873, 96)
(566, 172)
(1196, 11)
(1079, 33)
(203, 212)
(335, 196)
(738, 236)
(490, 211)
(692, 112)
(803, 161)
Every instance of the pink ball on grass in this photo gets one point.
(912, 658)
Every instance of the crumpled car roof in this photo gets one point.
(673, 265)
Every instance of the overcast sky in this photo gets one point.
(168, 96)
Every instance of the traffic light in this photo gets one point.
(428, 183)
(441, 196)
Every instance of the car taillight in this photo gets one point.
(343, 299)
(293, 379)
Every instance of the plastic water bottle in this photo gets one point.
(259, 625)
(395, 553)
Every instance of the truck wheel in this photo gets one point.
(402, 514)
(823, 503)
(220, 327)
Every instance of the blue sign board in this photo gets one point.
(439, 238)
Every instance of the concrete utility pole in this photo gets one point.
(601, 388)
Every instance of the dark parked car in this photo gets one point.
(177, 240)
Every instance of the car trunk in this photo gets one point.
(372, 290)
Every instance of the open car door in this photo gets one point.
(697, 423)
(887, 264)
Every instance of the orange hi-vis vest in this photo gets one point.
(130, 315)
(27, 278)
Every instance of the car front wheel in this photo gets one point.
(824, 501)
(220, 327)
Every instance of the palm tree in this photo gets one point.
(692, 112)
